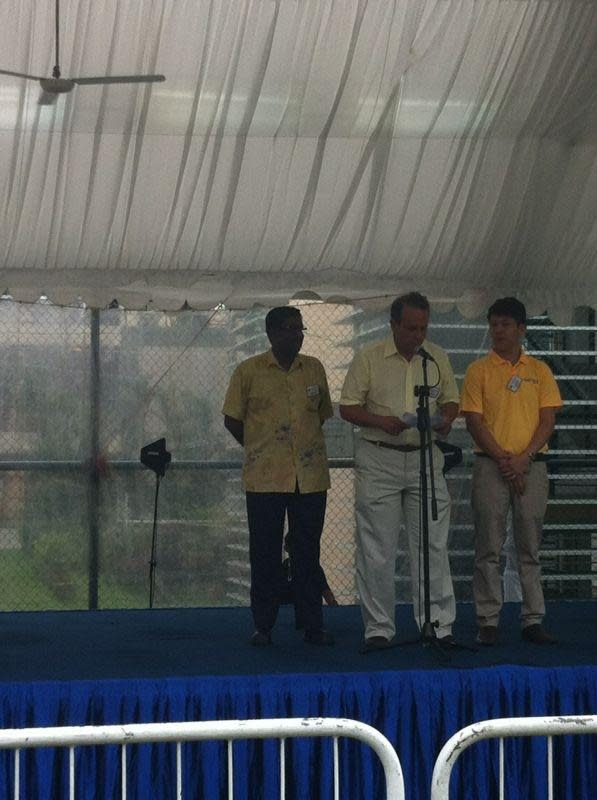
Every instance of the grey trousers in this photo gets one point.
(492, 498)
(387, 494)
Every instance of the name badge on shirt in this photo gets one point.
(513, 384)
(313, 391)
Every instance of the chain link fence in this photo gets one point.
(83, 391)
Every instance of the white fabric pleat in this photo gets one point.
(348, 148)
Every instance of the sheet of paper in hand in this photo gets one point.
(410, 419)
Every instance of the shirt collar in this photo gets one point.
(271, 360)
(390, 349)
(523, 358)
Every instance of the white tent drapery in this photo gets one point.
(349, 149)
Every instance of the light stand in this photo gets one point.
(154, 456)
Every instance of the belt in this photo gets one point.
(538, 456)
(402, 448)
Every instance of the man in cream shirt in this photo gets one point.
(378, 391)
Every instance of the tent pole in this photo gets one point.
(93, 494)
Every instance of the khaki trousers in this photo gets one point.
(387, 494)
(492, 498)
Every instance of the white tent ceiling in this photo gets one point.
(349, 148)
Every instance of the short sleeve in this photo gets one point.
(549, 393)
(356, 383)
(325, 404)
(448, 389)
(235, 402)
(471, 398)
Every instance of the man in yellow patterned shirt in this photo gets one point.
(509, 400)
(275, 406)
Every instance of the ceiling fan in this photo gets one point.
(52, 87)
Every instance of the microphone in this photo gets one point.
(424, 354)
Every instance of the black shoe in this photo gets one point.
(260, 639)
(377, 643)
(536, 635)
(318, 636)
(487, 635)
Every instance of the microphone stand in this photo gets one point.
(426, 447)
(428, 637)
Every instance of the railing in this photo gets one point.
(282, 729)
(229, 731)
(571, 513)
(502, 729)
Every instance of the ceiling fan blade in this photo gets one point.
(120, 79)
(47, 99)
(19, 75)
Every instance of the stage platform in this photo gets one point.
(108, 667)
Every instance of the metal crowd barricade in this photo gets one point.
(229, 731)
(502, 729)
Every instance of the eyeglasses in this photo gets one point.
(292, 328)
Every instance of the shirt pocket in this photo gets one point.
(383, 399)
(312, 403)
(259, 401)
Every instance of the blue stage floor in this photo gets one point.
(140, 666)
(69, 645)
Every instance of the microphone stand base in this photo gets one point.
(443, 647)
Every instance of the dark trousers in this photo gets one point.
(306, 513)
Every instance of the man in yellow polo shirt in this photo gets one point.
(275, 406)
(509, 400)
(379, 396)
